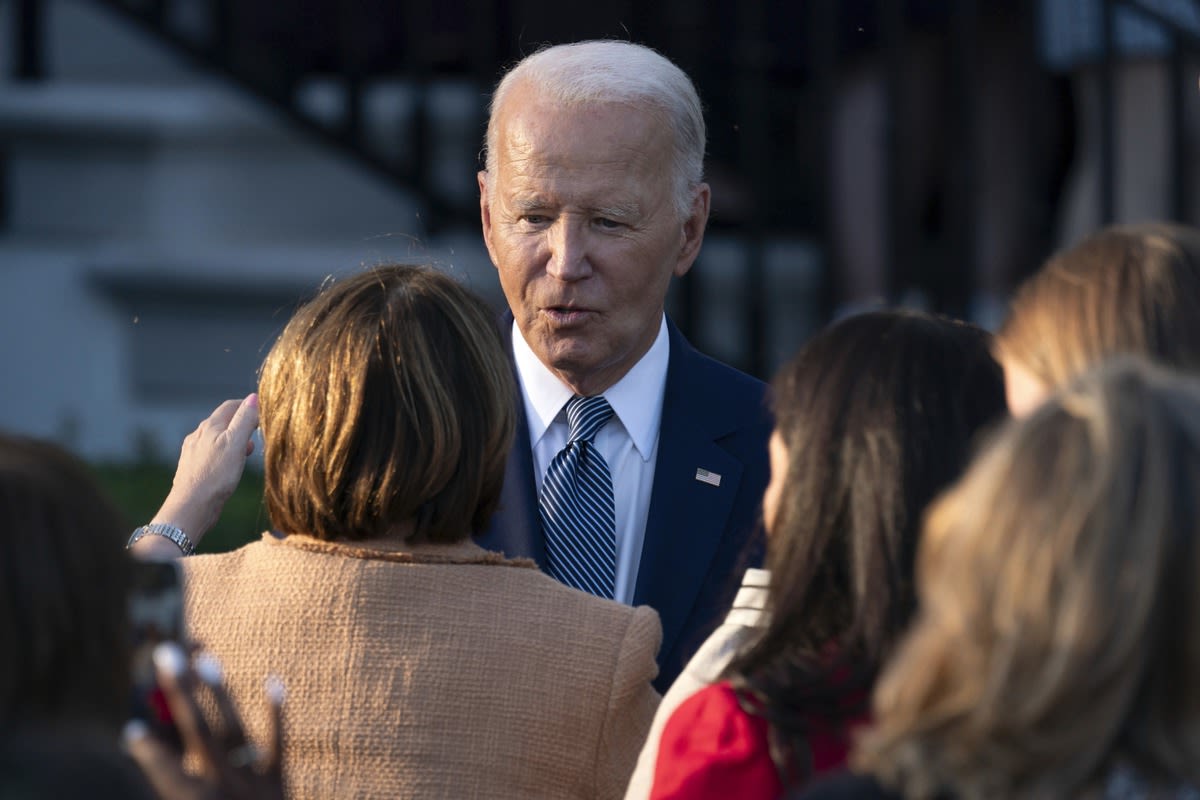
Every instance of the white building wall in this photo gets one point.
(147, 200)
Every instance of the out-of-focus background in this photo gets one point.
(176, 175)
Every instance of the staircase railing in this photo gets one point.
(769, 83)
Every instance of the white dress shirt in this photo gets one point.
(629, 442)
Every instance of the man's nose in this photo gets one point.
(568, 250)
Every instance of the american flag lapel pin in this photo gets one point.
(704, 476)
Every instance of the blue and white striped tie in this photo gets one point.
(576, 504)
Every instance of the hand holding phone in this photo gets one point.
(155, 617)
(230, 766)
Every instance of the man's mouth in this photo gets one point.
(565, 315)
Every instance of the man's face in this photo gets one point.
(580, 223)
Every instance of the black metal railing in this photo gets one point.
(768, 73)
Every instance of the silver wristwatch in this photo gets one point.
(171, 532)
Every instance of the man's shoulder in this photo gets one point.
(716, 390)
(739, 385)
(702, 370)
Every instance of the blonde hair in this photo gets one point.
(1129, 289)
(388, 399)
(1059, 602)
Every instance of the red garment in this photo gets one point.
(711, 748)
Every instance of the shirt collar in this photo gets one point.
(636, 399)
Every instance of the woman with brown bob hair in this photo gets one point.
(1055, 655)
(1128, 289)
(873, 417)
(417, 663)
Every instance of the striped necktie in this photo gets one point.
(576, 504)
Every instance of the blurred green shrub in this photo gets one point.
(139, 489)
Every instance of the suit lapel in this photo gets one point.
(688, 516)
(516, 527)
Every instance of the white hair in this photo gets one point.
(611, 71)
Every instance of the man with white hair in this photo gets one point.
(639, 468)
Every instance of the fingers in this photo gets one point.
(175, 679)
(235, 418)
(214, 424)
(209, 670)
(210, 466)
(223, 414)
(273, 763)
(231, 766)
(159, 763)
(244, 420)
(231, 426)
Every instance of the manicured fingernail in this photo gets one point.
(209, 669)
(169, 658)
(252, 400)
(275, 689)
(134, 730)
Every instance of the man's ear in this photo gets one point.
(485, 214)
(692, 234)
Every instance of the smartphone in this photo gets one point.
(155, 616)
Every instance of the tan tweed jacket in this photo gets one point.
(441, 672)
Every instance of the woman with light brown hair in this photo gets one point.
(1055, 652)
(417, 664)
(1128, 289)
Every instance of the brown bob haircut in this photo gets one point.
(1128, 289)
(388, 400)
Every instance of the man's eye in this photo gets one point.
(535, 219)
(605, 222)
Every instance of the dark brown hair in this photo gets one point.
(387, 400)
(878, 414)
(64, 578)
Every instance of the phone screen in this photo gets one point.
(155, 616)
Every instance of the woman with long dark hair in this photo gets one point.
(874, 417)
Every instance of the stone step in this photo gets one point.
(181, 164)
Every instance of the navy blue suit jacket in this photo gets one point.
(697, 535)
